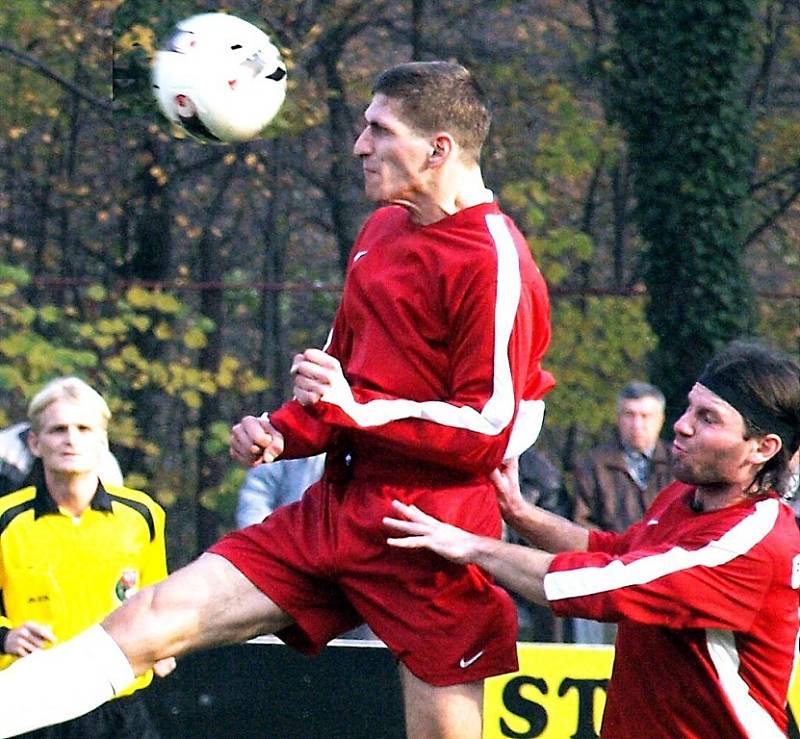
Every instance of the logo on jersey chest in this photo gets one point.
(127, 584)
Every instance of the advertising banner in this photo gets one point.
(559, 692)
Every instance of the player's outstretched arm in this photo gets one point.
(543, 529)
(520, 568)
(426, 532)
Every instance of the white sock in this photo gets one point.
(58, 684)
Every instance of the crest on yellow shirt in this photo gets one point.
(127, 584)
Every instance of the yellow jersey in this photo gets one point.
(69, 572)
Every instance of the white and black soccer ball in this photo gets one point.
(219, 78)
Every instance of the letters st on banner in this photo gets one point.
(560, 693)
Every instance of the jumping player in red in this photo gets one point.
(430, 379)
(704, 587)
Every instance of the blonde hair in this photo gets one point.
(67, 388)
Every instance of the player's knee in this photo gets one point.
(130, 626)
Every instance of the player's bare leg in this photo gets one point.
(431, 712)
(207, 603)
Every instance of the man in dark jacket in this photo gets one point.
(616, 482)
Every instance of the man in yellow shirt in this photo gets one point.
(73, 549)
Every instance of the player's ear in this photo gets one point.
(765, 448)
(33, 443)
(441, 147)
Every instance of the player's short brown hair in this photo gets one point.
(439, 96)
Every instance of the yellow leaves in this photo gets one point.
(137, 36)
(133, 356)
(15, 345)
(159, 374)
(138, 297)
(96, 293)
(143, 299)
(7, 289)
(192, 398)
(115, 364)
(123, 430)
(166, 303)
(103, 342)
(250, 383)
(597, 346)
(226, 374)
(114, 326)
(140, 323)
(194, 338)
(49, 314)
(162, 331)
(166, 496)
(137, 481)
(182, 377)
(143, 341)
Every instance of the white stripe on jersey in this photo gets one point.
(751, 714)
(498, 411)
(617, 574)
(527, 427)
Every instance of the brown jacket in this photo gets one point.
(606, 495)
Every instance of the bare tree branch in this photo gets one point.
(781, 208)
(26, 60)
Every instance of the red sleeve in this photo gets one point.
(689, 582)
(304, 435)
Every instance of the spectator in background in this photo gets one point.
(618, 481)
(541, 484)
(19, 467)
(73, 547)
(269, 486)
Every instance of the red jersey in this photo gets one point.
(707, 606)
(440, 334)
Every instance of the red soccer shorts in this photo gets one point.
(325, 561)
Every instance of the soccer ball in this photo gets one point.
(219, 78)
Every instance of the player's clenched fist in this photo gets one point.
(317, 375)
(255, 441)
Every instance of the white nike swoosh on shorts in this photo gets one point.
(464, 663)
